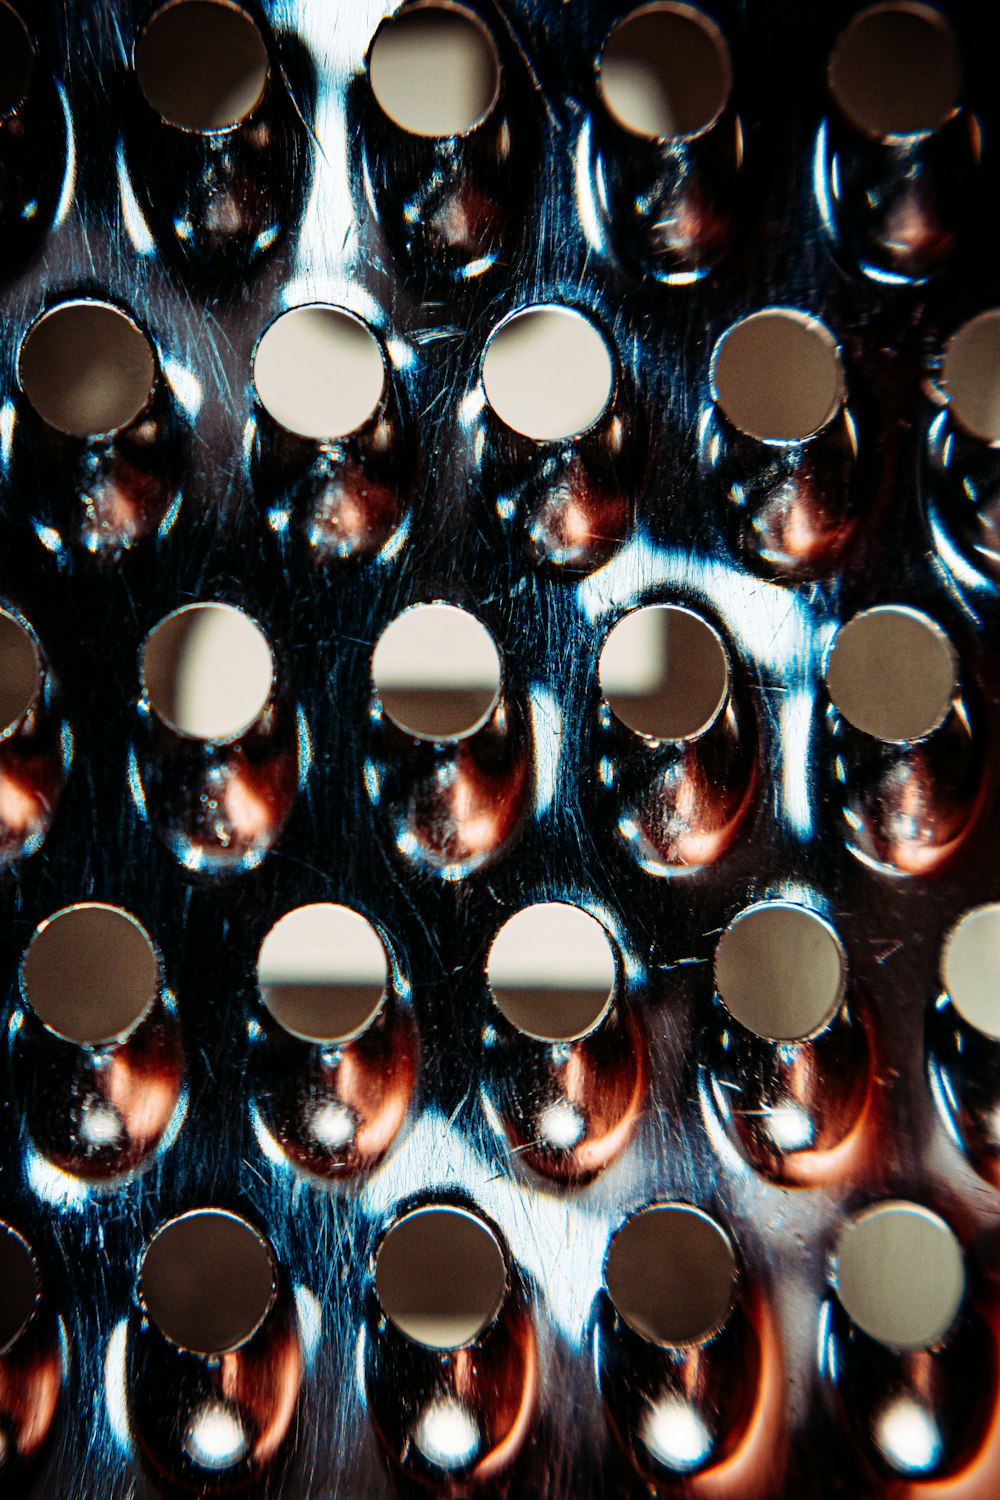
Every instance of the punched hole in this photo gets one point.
(202, 64)
(18, 1286)
(971, 375)
(896, 70)
(892, 673)
(777, 375)
(440, 1276)
(665, 72)
(17, 61)
(207, 671)
(670, 1273)
(900, 1275)
(87, 369)
(90, 973)
(548, 373)
(322, 972)
(664, 672)
(970, 964)
(319, 372)
(20, 670)
(434, 70)
(208, 1281)
(780, 970)
(551, 971)
(436, 671)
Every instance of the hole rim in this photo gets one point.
(388, 987)
(10, 110)
(614, 993)
(614, 386)
(939, 21)
(805, 320)
(712, 1330)
(482, 1224)
(16, 723)
(499, 694)
(193, 130)
(985, 908)
(262, 1241)
(455, 8)
(184, 734)
(6, 1228)
(377, 411)
(107, 433)
(724, 656)
(933, 628)
(917, 1210)
(112, 1039)
(716, 36)
(833, 1010)
(986, 315)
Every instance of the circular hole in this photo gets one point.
(17, 61)
(664, 672)
(969, 967)
(202, 64)
(440, 1276)
(322, 972)
(319, 372)
(777, 375)
(670, 1273)
(780, 970)
(90, 973)
(971, 375)
(900, 1275)
(18, 1286)
(207, 670)
(895, 70)
(547, 373)
(551, 970)
(208, 1281)
(665, 72)
(892, 673)
(434, 70)
(87, 369)
(436, 670)
(20, 669)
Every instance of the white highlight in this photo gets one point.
(446, 1434)
(215, 1438)
(908, 1436)
(561, 1125)
(115, 1399)
(676, 1435)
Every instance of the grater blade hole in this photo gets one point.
(434, 70)
(780, 971)
(551, 971)
(969, 967)
(670, 1273)
(437, 671)
(971, 375)
(319, 372)
(895, 70)
(87, 368)
(664, 672)
(548, 373)
(90, 973)
(17, 61)
(202, 64)
(18, 1287)
(20, 671)
(322, 972)
(892, 673)
(900, 1275)
(665, 72)
(208, 1281)
(441, 1276)
(777, 375)
(207, 671)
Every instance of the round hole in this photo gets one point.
(892, 673)
(900, 1275)
(664, 672)
(18, 1286)
(971, 375)
(322, 972)
(202, 64)
(547, 373)
(551, 970)
(665, 72)
(90, 973)
(436, 670)
(17, 61)
(440, 1276)
(780, 970)
(670, 1273)
(208, 1281)
(207, 671)
(970, 964)
(777, 375)
(319, 372)
(434, 70)
(87, 369)
(896, 70)
(20, 670)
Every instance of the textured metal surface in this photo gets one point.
(204, 246)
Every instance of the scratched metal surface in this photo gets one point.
(340, 237)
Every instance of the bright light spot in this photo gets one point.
(790, 1128)
(100, 1126)
(560, 1125)
(676, 1435)
(185, 385)
(446, 1434)
(114, 1385)
(333, 1125)
(310, 1316)
(908, 1436)
(215, 1437)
